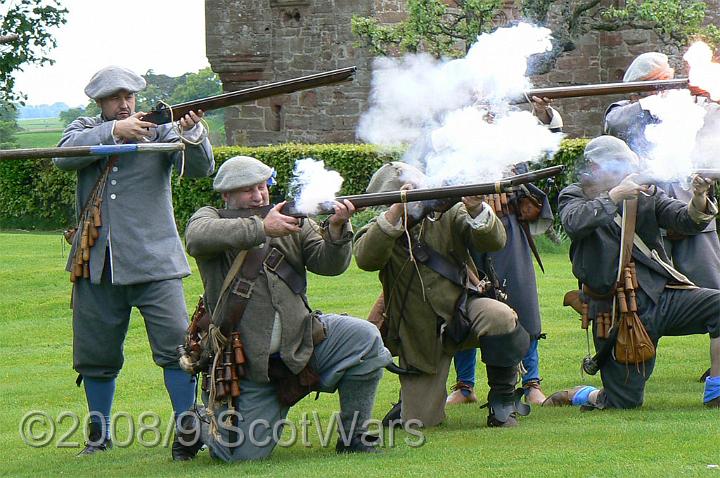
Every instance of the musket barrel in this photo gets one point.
(162, 115)
(601, 89)
(708, 173)
(449, 192)
(79, 151)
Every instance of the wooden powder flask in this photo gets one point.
(219, 383)
(585, 318)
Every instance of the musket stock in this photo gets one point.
(161, 114)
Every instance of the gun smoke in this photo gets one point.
(313, 185)
(455, 115)
(686, 135)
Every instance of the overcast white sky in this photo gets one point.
(167, 36)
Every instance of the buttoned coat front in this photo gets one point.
(138, 228)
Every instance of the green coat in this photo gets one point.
(430, 299)
(214, 242)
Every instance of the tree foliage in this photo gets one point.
(448, 28)
(8, 125)
(26, 38)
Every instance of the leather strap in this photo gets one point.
(275, 262)
(426, 255)
(237, 294)
(531, 242)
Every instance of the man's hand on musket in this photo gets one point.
(473, 204)
(700, 187)
(133, 128)
(277, 224)
(343, 211)
(396, 212)
(541, 109)
(628, 189)
(189, 121)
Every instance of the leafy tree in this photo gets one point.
(202, 84)
(26, 38)
(8, 125)
(449, 27)
(68, 116)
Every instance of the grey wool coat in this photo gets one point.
(214, 242)
(138, 228)
(697, 255)
(595, 247)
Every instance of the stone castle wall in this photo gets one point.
(257, 41)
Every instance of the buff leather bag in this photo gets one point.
(633, 345)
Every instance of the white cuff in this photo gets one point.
(193, 134)
(556, 121)
(699, 216)
(392, 230)
(481, 220)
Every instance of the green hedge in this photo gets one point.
(35, 195)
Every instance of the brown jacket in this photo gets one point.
(214, 242)
(417, 306)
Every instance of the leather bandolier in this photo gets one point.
(213, 344)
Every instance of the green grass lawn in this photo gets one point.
(38, 139)
(671, 435)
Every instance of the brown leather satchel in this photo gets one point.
(291, 388)
(377, 315)
(633, 345)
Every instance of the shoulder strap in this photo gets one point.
(238, 286)
(428, 256)
(653, 255)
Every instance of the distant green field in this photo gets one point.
(40, 124)
(39, 139)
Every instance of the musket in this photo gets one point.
(449, 195)
(161, 114)
(602, 89)
(79, 151)
(709, 173)
(649, 178)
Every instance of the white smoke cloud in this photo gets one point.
(455, 115)
(673, 138)
(313, 185)
(707, 144)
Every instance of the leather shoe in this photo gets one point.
(188, 441)
(392, 418)
(360, 443)
(493, 422)
(714, 403)
(704, 376)
(462, 393)
(562, 398)
(96, 443)
(533, 393)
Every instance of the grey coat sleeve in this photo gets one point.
(580, 216)
(677, 215)
(84, 132)
(323, 255)
(199, 159)
(207, 234)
